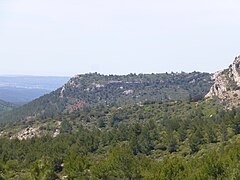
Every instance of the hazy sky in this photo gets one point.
(68, 37)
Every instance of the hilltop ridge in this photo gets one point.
(92, 90)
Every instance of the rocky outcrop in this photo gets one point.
(235, 70)
(27, 133)
(227, 85)
(220, 86)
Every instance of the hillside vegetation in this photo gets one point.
(5, 106)
(92, 90)
(152, 126)
(173, 140)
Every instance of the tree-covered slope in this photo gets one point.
(173, 140)
(92, 90)
(5, 106)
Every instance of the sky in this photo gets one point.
(69, 37)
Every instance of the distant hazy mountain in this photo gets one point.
(23, 89)
(91, 90)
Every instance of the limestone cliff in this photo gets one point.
(227, 85)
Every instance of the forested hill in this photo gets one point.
(172, 140)
(91, 90)
(5, 106)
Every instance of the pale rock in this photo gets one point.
(224, 80)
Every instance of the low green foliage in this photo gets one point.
(174, 140)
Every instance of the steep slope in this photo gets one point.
(91, 90)
(227, 85)
(5, 106)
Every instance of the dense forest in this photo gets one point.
(91, 90)
(154, 140)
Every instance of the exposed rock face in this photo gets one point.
(235, 68)
(27, 133)
(227, 84)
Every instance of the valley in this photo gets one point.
(145, 126)
(119, 90)
(23, 89)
